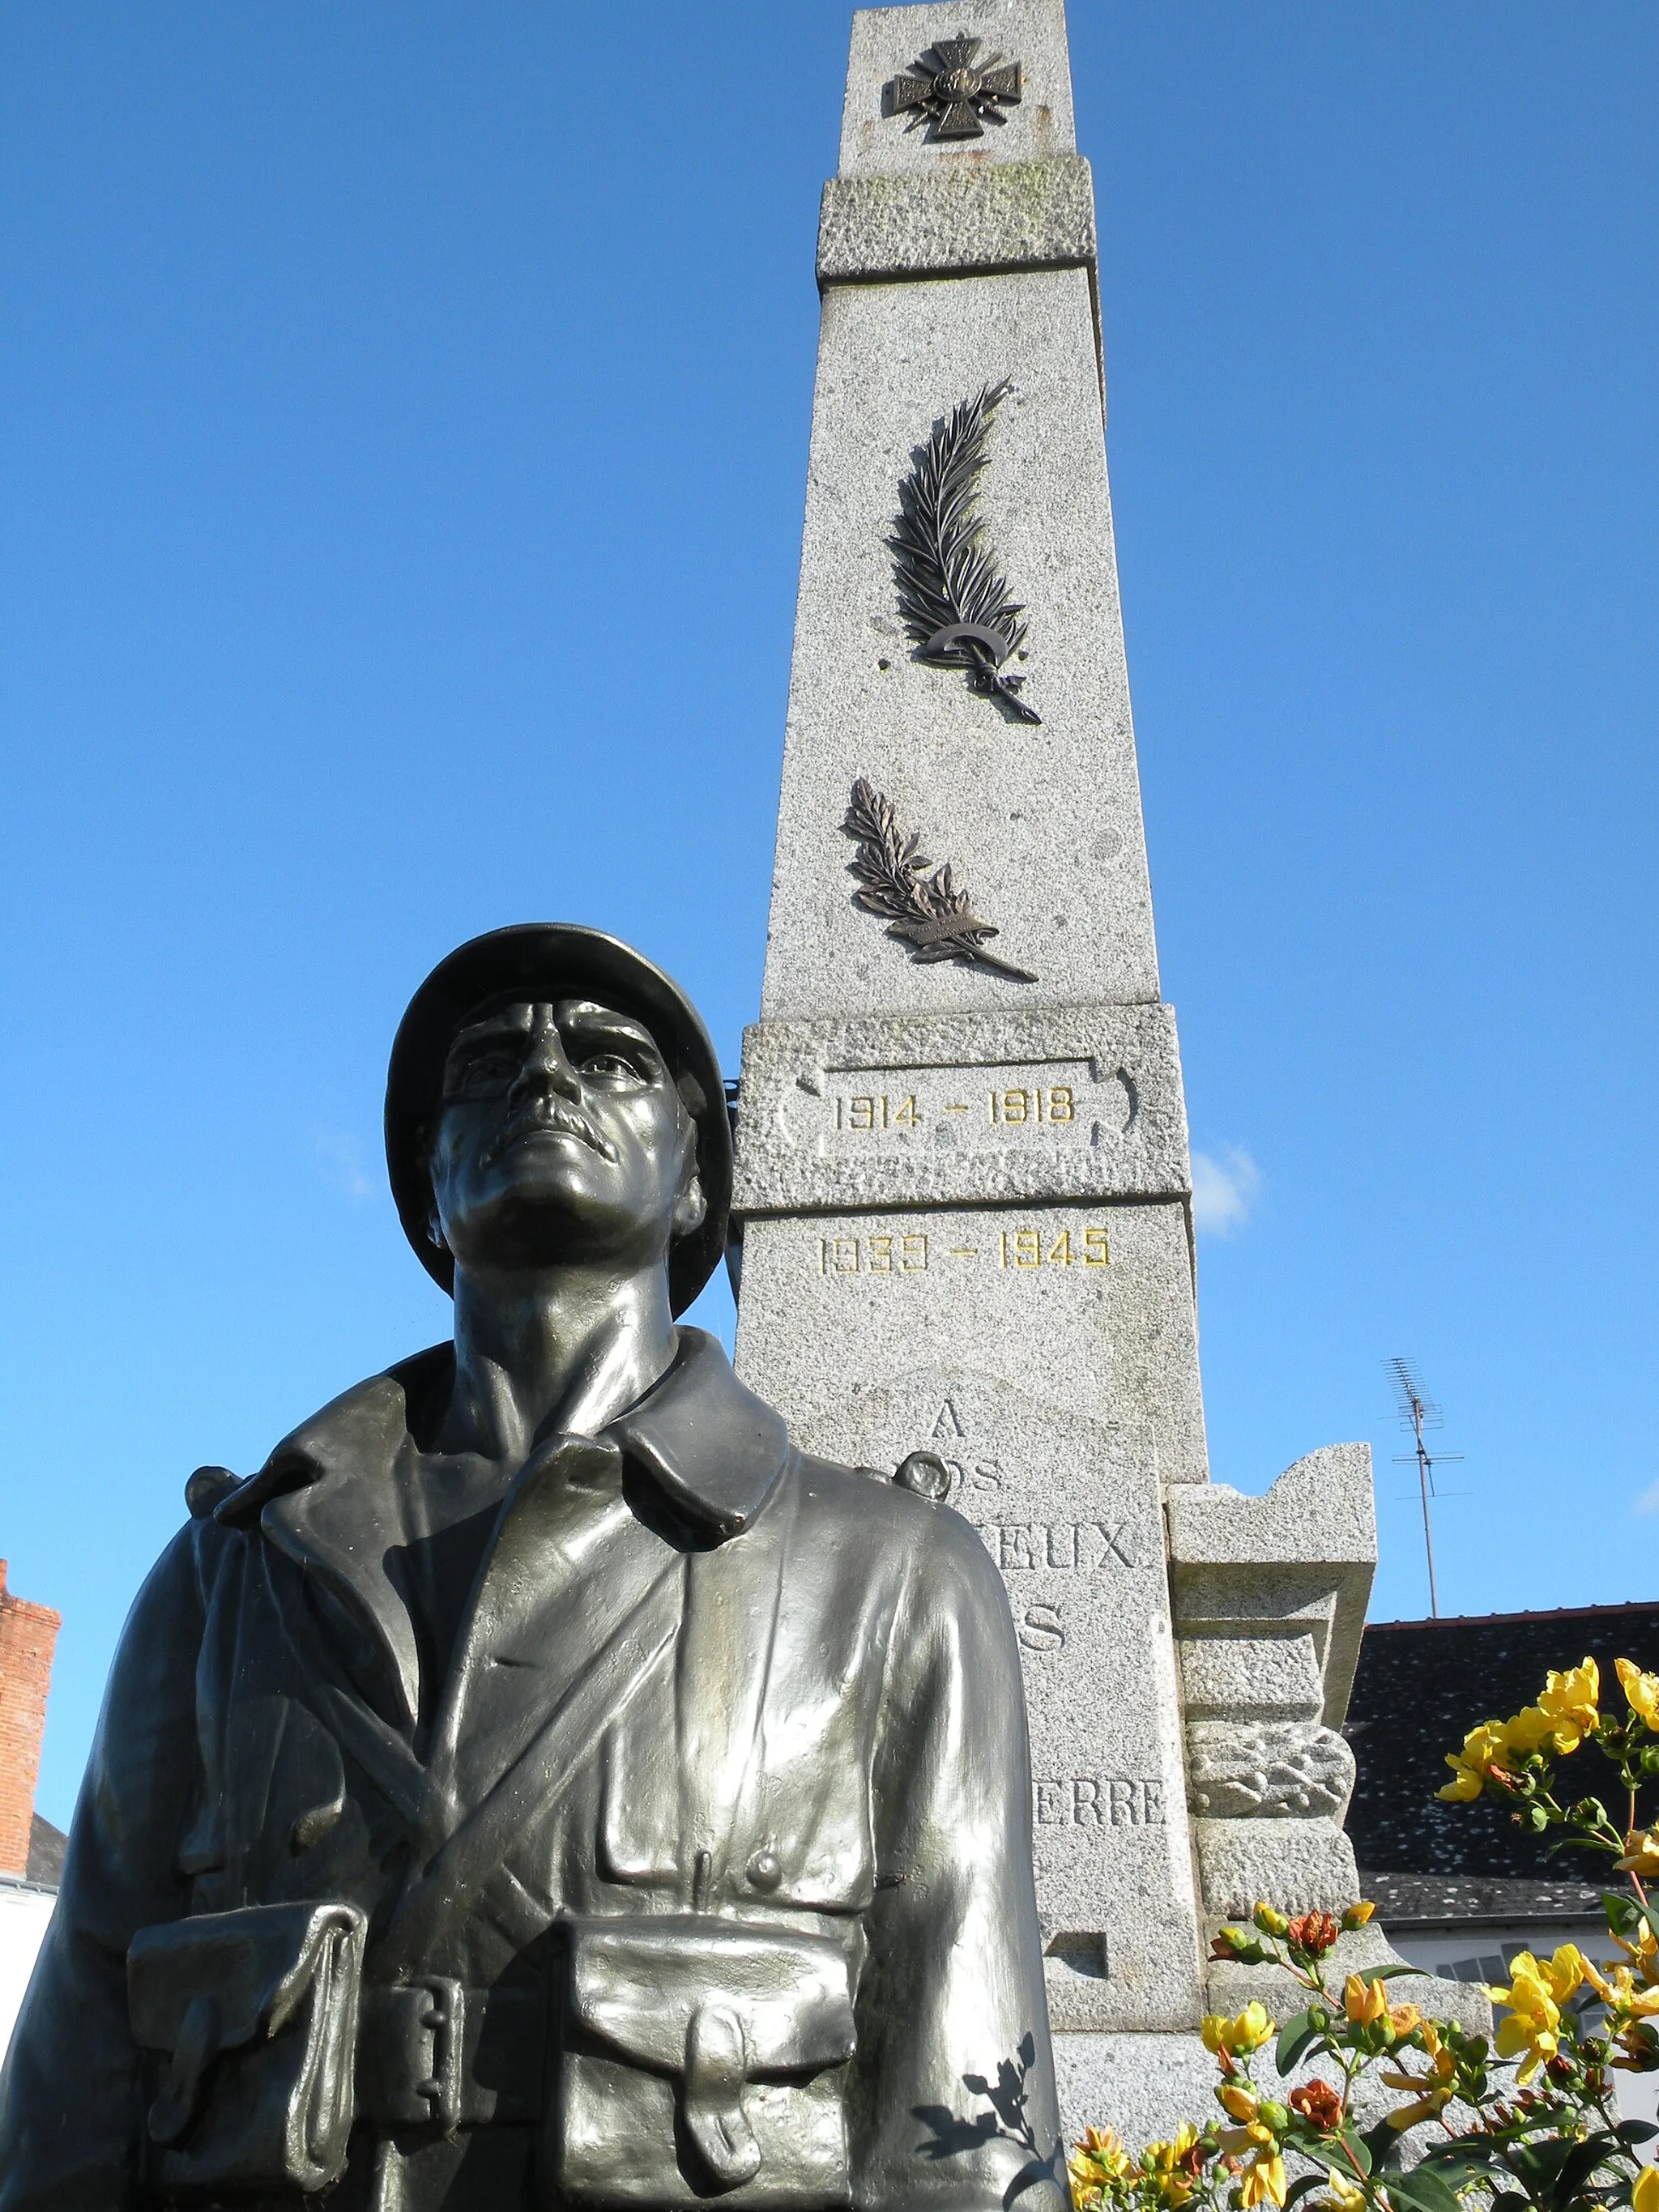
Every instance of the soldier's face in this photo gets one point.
(562, 1139)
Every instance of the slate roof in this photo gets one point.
(46, 1847)
(1420, 1686)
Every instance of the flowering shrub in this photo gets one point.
(1551, 2136)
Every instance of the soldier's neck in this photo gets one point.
(570, 1352)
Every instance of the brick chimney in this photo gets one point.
(27, 1634)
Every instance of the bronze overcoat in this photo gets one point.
(713, 1704)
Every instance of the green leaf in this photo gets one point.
(1382, 2144)
(1423, 2189)
(1298, 2032)
(1636, 2131)
(1581, 2162)
(1357, 2156)
(1305, 2187)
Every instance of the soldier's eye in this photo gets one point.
(489, 1071)
(609, 1063)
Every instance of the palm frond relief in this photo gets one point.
(956, 603)
(922, 905)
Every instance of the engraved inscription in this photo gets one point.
(872, 1255)
(1029, 1248)
(1010, 1108)
(1062, 1546)
(1098, 1801)
(1017, 1251)
(1039, 1628)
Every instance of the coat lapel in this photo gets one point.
(575, 1550)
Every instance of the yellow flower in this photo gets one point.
(1533, 1998)
(1358, 1915)
(1239, 2103)
(1565, 1713)
(1342, 2194)
(1171, 2167)
(1483, 1748)
(1434, 2089)
(1644, 2198)
(1642, 1696)
(1641, 1855)
(1095, 2163)
(1262, 2179)
(1248, 2033)
(1402, 2019)
(1365, 2002)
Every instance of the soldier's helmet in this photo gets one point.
(540, 960)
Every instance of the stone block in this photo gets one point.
(1300, 1866)
(1267, 1770)
(1261, 1678)
(1307, 1549)
(1089, 1307)
(1017, 214)
(888, 41)
(1070, 1511)
(1041, 824)
(1144, 2086)
(1022, 1103)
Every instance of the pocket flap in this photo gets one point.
(639, 1985)
(254, 1965)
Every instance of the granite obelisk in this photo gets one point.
(962, 1159)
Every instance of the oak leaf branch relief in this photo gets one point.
(922, 904)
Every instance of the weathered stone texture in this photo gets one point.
(1021, 215)
(889, 40)
(1041, 824)
(1023, 1102)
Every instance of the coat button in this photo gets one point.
(764, 1870)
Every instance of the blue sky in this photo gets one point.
(403, 436)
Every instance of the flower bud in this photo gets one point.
(1269, 1922)
(1274, 2117)
(1358, 1915)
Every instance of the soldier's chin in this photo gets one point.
(549, 1224)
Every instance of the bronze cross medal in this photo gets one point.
(958, 97)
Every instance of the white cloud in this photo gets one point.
(1648, 1501)
(1224, 1190)
(341, 1157)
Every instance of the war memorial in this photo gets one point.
(574, 1767)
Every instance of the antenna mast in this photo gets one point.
(1418, 1411)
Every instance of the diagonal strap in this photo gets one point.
(531, 1788)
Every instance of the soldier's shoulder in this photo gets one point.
(884, 1514)
(364, 1423)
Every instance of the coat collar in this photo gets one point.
(329, 1495)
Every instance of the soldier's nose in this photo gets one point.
(546, 1064)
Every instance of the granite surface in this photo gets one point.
(1017, 214)
(1090, 1306)
(889, 41)
(1041, 825)
(1024, 1103)
(1070, 1509)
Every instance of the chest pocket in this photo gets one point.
(704, 2056)
(746, 1776)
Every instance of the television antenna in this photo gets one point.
(1419, 1412)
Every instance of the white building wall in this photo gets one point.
(24, 1909)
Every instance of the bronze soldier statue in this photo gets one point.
(540, 1782)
